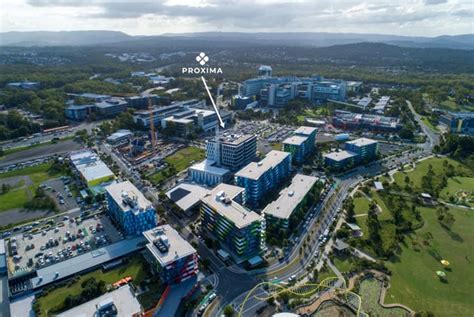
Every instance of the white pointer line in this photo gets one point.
(221, 123)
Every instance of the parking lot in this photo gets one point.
(59, 190)
(59, 241)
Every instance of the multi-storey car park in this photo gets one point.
(171, 257)
(240, 231)
(260, 178)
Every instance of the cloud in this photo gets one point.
(366, 16)
(434, 2)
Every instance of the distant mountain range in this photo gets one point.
(315, 39)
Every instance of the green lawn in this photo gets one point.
(343, 263)
(55, 298)
(361, 205)
(183, 158)
(429, 124)
(15, 198)
(369, 290)
(180, 160)
(457, 185)
(414, 282)
(422, 169)
(18, 196)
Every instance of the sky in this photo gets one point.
(399, 17)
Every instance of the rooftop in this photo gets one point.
(122, 298)
(208, 166)
(295, 140)
(128, 197)
(89, 165)
(255, 170)
(233, 138)
(339, 156)
(361, 142)
(119, 134)
(221, 200)
(304, 130)
(186, 195)
(85, 261)
(167, 245)
(291, 196)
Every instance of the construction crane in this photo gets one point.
(152, 127)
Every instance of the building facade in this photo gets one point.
(170, 255)
(286, 212)
(207, 173)
(301, 144)
(364, 148)
(260, 178)
(129, 208)
(232, 151)
(239, 230)
(458, 122)
(339, 161)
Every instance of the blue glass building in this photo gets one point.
(129, 209)
(260, 178)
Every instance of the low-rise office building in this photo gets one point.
(286, 212)
(366, 149)
(339, 160)
(356, 152)
(93, 172)
(458, 122)
(170, 255)
(79, 112)
(111, 107)
(207, 173)
(239, 230)
(119, 137)
(129, 208)
(357, 121)
(260, 178)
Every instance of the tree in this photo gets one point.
(229, 311)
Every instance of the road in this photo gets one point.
(298, 266)
(433, 137)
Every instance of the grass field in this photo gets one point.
(429, 124)
(17, 197)
(55, 298)
(422, 169)
(361, 205)
(180, 160)
(369, 290)
(414, 282)
(458, 184)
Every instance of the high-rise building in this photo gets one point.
(232, 151)
(287, 211)
(240, 231)
(129, 208)
(171, 256)
(301, 143)
(260, 178)
(265, 71)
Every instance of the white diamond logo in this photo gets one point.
(202, 58)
